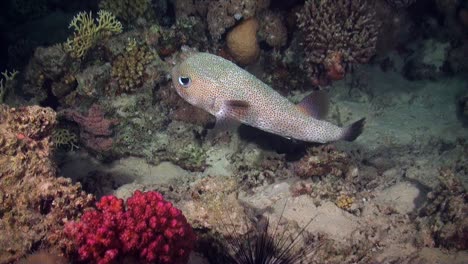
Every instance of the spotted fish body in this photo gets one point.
(229, 92)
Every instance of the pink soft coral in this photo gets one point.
(150, 229)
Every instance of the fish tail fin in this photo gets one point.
(353, 131)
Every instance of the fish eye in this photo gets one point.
(184, 81)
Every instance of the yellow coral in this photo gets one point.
(242, 42)
(88, 33)
(344, 202)
(127, 10)
(128, 68)
(63, 137)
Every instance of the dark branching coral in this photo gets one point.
(336, 34)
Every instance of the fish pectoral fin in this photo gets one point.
(227, 118)
(315, 104)
(235, 109)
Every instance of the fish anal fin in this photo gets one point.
(315, 104)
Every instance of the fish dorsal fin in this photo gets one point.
(315, 104)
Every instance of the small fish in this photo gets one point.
(232, 94)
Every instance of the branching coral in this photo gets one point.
(336, 34)
(149, 228)
(129, 68)
(128, 10)
(63, 137)
(88, 33)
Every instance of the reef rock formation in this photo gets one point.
(34, 202)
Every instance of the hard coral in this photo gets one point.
(272, 29)
(242, 42)
(129, 68)
(150, 229)
(223, 14)
(336, 35)
(128, 10)
(30, 190)
(88, 33)
(401, 3)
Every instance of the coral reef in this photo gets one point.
(457, 58)
(46, 66)
(88, 33)
(127, 10)
(92, 81)
(272, 29)
(242, 42)
(211, 197)
(223, 14)
(43, 257)
(128, 69)
(95, 129)
(220, 14)
(149, 228)
(7, 83)
(31, 192)
(336, 35)
(428, 62)
(446, 212)
(400, 3)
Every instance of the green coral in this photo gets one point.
(5, 82)
(129, 68)
(128, 10)
(88, 33)
(63, 137)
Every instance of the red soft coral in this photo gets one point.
(150, 229)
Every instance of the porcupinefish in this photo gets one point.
(229, 93)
